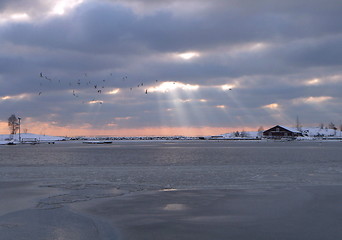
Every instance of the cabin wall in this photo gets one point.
(279, 132)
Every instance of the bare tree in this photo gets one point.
(298, 125)
(332, 126)
(13, 124)
(237, 134)
(260, 131)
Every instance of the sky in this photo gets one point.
(172, 67)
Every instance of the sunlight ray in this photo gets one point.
(248, 118)
(277, 113)
(188, 55)
(171, 86)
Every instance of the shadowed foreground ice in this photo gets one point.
(53, 224)
(171, 190)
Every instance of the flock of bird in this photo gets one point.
(94, 88)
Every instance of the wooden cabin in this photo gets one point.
(281, 132)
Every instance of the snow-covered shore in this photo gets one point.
(309, 134)
(312, 133)
(5, 138)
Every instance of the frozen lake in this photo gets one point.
(186, 164)
(172, 190)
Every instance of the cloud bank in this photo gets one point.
(116, 66)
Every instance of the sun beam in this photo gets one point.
(95, 102)
(20, 17)
(272, 106)
(188, 55)
(170, 86)
(114, 91)
(62, 6)
(312, 100)
(15, 97)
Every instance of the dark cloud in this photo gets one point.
(104, 27)
(316, 52)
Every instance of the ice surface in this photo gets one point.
(171, 190)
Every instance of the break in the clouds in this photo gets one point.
(114, 66)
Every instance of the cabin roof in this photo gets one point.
(290, 129)
(286, 128)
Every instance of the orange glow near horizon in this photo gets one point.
(47, 129)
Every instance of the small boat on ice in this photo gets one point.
(98, 142)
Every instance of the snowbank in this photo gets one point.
(320, 132)
(5, 137)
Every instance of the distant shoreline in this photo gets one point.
(36, 138)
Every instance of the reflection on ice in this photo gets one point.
(168, 190)
(175, 207)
